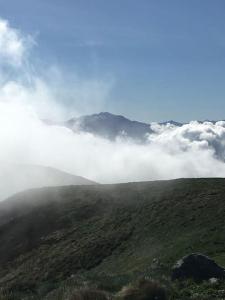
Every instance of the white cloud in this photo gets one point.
(13, 45)
(194, 135)
(193, 150)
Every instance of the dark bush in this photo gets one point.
(144, 290)
(88, 294)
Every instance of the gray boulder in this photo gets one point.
(197, 267)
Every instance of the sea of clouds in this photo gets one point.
(26, 97)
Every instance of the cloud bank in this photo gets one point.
(13, 45)
(192, 150)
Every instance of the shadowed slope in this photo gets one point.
(51, 233)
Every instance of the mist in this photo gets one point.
(26, 98)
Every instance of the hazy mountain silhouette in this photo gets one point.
(16, 178)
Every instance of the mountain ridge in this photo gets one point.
(111, 126)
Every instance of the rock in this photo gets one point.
(155, 263)
(213, 280)
(197, 267)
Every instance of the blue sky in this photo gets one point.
(166, 58)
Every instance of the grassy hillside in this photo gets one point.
(108, 233)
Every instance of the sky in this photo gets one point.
(58, 61)
(162, 59)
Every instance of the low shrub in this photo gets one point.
(143, 290)
(88, 294)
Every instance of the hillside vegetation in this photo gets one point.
(108, 234)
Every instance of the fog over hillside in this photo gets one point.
(194, 149)
(15, 178)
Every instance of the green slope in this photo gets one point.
(49, 234)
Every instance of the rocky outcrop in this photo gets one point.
(197, 267)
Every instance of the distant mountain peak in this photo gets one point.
(110, 126)
(105, 115)
(172, 122)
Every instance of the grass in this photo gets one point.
(108, 236)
